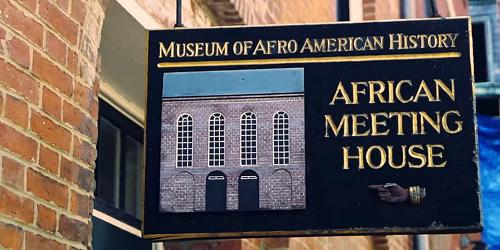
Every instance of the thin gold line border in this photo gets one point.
(333, 59)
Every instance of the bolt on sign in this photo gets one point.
(326, 129)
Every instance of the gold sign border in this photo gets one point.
(332, 59)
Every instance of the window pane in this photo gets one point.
(108, 162)
(480, 52)
(133, 176)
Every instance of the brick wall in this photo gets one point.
(277, 183)
(380, 10)
(194, 13)
(258, 12)
(48, 130)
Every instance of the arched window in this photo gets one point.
(281, 138)
(185, 141)
(216, 140)
(248, 139)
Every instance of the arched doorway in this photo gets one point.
(183, 192)
(281, 189)
(248, 191)
(216, 188)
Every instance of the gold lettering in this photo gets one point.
(329, 123)
(356, 91)
(453, 38)
(445, 122)
(166, 51)
(391, 157)
(345, 151)
(398, 91)
(435, 124)
(344, 96)
(440, 85)
(416, 155)
(399, 116)
(378, 92)
(376, 123)
(431, 154)
(356, 123)
(424, 91)
(383, 157)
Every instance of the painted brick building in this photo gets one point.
(251, 146)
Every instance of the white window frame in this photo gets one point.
(221, 139)
(244, 160)
(189, 162)
(276, 120)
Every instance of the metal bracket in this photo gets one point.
(178, 14)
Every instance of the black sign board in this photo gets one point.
(327, 129)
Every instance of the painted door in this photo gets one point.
(216, 189)
(248, 191)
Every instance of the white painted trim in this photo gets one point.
(451, 7)
(273, 139)
(102, 216)
(126, 107)
(140, 15)
(221, 118)
(356, 10)
(256, 140)
(177, 140)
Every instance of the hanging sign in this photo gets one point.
(328, 129)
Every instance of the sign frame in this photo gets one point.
(230, 64)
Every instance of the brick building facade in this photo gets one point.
(280, 184)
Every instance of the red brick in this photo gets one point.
(77, 119)
(11, 236)
(83, 96)
(72, 61)
(50, 73)
(16, 207)
(19, 51)
(63, 4)
(80, 204)
(49, 159)
(29, 4)
(18, 143)
(78, 11)
(76, 174)
(19, 82)
(16, 110)
(229, 244)
(59, 21)
(74, 230)
(47, 189)
(173, 246)
(84, 151)
(56, 48)
(94, 110)
(38, 242)
(16, 19)
(51, 103)
(200, 246)
(46, 218)
(13, 173)
(277, 243)
(50, 131)
(2, 37)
